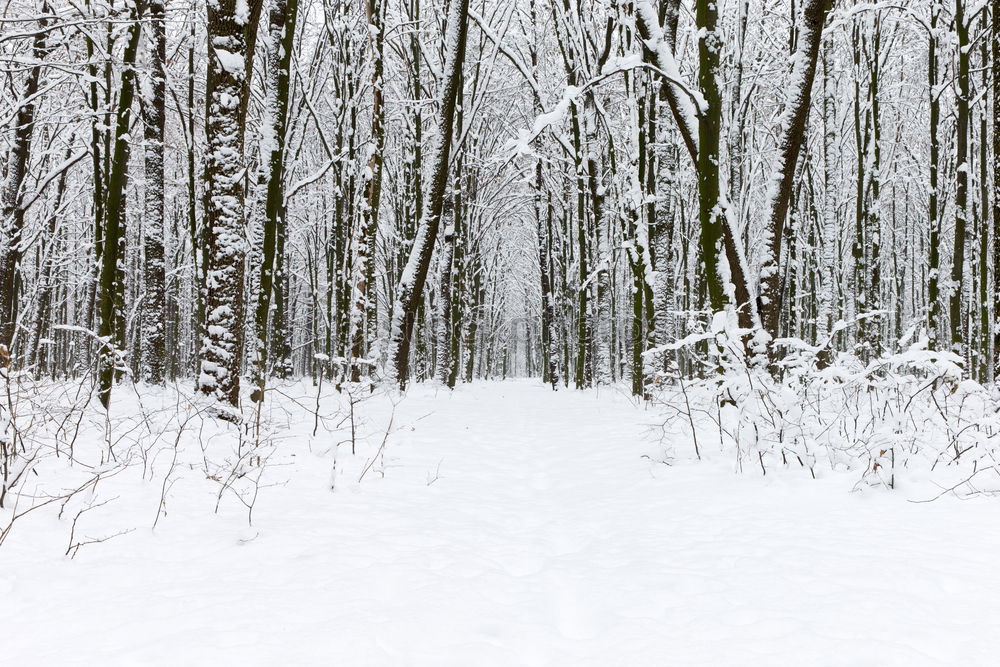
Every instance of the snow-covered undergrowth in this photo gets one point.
(500, 524)
(905, 419)
(60, 452)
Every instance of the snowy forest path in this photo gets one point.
(551, 533)
(504, 524)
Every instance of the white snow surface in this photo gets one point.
(503, 524)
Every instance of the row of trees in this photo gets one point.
(458, 188)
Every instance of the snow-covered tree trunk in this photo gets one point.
(444, 304)
(281, 20)
(550, 352)
(995, 12)
(152, 345)
(644, 179)
(933, 213)
(984, 335)
(661, 227)
(872, 328)
(109, 284)
(459, 288)
(710, 206)
(603, 268)
(222, 346)
(195, 231)
(722, 255)
(659, 45)
(956, 291)
(603, 371)
(364, 321)
(829, 234)
(409, 291)
(792, 132)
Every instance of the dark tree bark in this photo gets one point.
(721, 250)
(281, 22)
(710, 209)
(154, 116)
(995, 12)
(934, 242)
(962, 181)
(226, 91)
(444, 305)
(409, 292)
(793, 134)
(364, 319)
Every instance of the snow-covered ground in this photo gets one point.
(501, 524)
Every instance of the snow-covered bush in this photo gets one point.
(60, 449)
(907, 417)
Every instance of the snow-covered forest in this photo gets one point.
(553, 301)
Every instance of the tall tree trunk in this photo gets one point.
(364, 320)
(226, 91)
(873, 232)
(661, 224)
(444, 328)
(409, 292)
(198, 249)
(154, 116)
(458, 286)
(281, 20)
(109, 287)
(642, 215)
(861, 138)
(582, 338)
(962, 181)
(933, 245)
(995, 12)
(829, 234)
(98, 134)
(543, 230)
(984, 364)
(602, 335)
(710, 208)
(550, 371)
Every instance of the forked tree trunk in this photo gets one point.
(793, 127)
